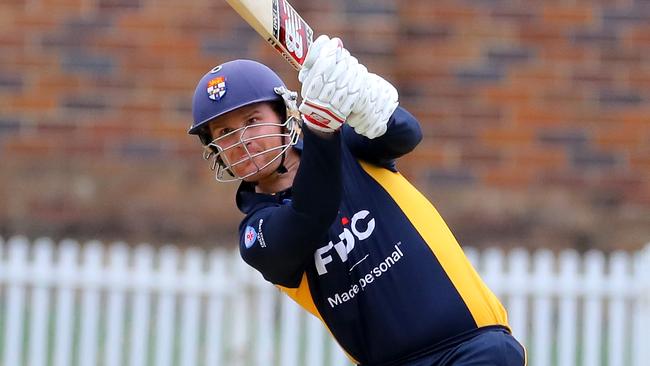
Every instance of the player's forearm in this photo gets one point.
(317, 186)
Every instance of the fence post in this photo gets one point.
(543, 280)
(66, 278)
(14, 313)
(567, 311)
(265, 317)
(3, 281)
(472, 255)
(641, 324)
(117, 282)
(43, 269)
(289, 321)
(645, 297)
(218, 287)
(142, 280)
(315, 341)
(190, 306)
(592, 321)
(91, 271)
(337, 355)
(239, 311)
(618, 292)
(492, 265)
(518, 278)
(166, 278)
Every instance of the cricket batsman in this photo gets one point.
(331, 222)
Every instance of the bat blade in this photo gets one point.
(280, 25)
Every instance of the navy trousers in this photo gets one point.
(492, 348)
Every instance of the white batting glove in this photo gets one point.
(377, 102)
(331, 83)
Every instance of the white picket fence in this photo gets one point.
(67, 304)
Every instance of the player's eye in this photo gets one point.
(225, 131)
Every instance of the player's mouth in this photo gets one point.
(246, 159)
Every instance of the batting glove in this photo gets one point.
(331, 83)
(377, 102)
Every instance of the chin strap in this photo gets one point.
(281, 168)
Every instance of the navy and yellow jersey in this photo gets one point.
(355, 244)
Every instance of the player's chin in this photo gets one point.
(247, 170)
(257, 175)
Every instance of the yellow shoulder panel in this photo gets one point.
(481, 302)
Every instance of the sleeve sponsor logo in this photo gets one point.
(260, 234)
(292, 32)
(249, 236)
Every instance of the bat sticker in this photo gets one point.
(291, 31)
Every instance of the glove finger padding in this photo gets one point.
(389, 101)
(312, 55)
(348, 86)
(329, 85)
(327, 93)
(311, 86)
(339, 72)
(358, 76)
(327, 54)
(374, 108)
(376, 131)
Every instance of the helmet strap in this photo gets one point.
(281, 168)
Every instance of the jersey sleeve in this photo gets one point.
(401, 137)
(279, 239)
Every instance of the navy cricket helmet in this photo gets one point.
(229, 86)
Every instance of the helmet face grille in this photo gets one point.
(237, 143)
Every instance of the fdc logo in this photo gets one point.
(346, 244)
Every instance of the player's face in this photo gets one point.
(248, 140)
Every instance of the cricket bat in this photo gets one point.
(280, 24)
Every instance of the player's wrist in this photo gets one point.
(321, 116)
(319, 131)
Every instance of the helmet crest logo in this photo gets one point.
(216, 88)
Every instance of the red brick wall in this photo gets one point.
(536, 114)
